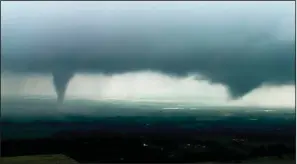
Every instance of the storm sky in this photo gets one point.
(234, 48)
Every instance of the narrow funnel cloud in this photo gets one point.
(60, 81)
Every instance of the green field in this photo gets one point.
(38, 159)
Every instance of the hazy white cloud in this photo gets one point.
(19, 84)
(269, 96)
(148, 86)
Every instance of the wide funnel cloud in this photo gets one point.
(240, 44)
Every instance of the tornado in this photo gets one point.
(60, 81)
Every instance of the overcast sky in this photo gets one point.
(235, 48)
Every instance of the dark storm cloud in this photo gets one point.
(240, 45)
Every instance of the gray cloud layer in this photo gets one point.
(242, 45)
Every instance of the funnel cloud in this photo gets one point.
(60, 81)
(242, 45)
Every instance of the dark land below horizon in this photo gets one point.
(128, 135)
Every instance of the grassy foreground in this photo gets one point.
(62, 159)
(38, 159)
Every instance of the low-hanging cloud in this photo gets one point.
(241, 45)
(146, 86)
